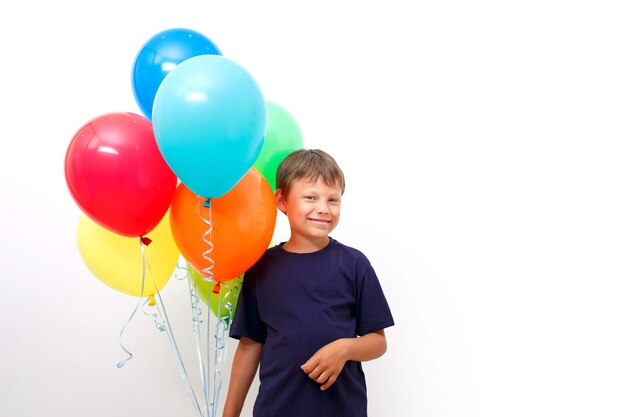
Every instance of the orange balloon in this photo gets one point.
(243, 223)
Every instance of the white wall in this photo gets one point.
(483, 144)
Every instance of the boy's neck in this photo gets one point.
(305, 245)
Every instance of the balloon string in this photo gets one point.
(150, 301)
(179, 361)
(143, 280)
(159, 324)
(207, 276)
(196, 319)
(163, 326)
(222, 324)
(222, 327)
(181, 272)
(207, 238)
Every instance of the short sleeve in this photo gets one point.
(372, 310)
(247, 320)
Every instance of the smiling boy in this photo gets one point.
(311, 309)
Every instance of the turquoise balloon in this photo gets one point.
(209, 119)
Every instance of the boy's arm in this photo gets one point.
(245, 364)
(326, 364)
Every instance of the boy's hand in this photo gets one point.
(326, 364)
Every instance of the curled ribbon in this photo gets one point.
(132, 314)
(220, 336)
(162, 325)
(208, 276)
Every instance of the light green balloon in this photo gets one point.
(283, 136)
(227, 297)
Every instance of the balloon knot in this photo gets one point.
(207, 203)
(216, 288)
(145, 240)
(151, 301)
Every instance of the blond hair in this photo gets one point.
(311, 164)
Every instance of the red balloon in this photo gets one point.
(117, 175)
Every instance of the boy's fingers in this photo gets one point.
(307, 368)
(316, 373)
(322, 377)
(309, 365)
(328, 383)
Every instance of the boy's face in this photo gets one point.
(311, 207)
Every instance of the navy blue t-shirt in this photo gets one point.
(295, 303)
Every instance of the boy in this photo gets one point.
(310, 310)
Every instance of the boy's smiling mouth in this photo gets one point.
(322, 221)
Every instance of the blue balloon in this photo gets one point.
(209, 120)
(159, 56)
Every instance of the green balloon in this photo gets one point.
(282, 136)
(227, 297)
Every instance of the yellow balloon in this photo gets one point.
(116, 260)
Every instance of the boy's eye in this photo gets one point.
(309, 197)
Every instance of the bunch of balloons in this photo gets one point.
(202, 158)
(193, 176)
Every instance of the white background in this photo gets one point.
(483, 144)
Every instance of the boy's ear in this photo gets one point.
(280, 201)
